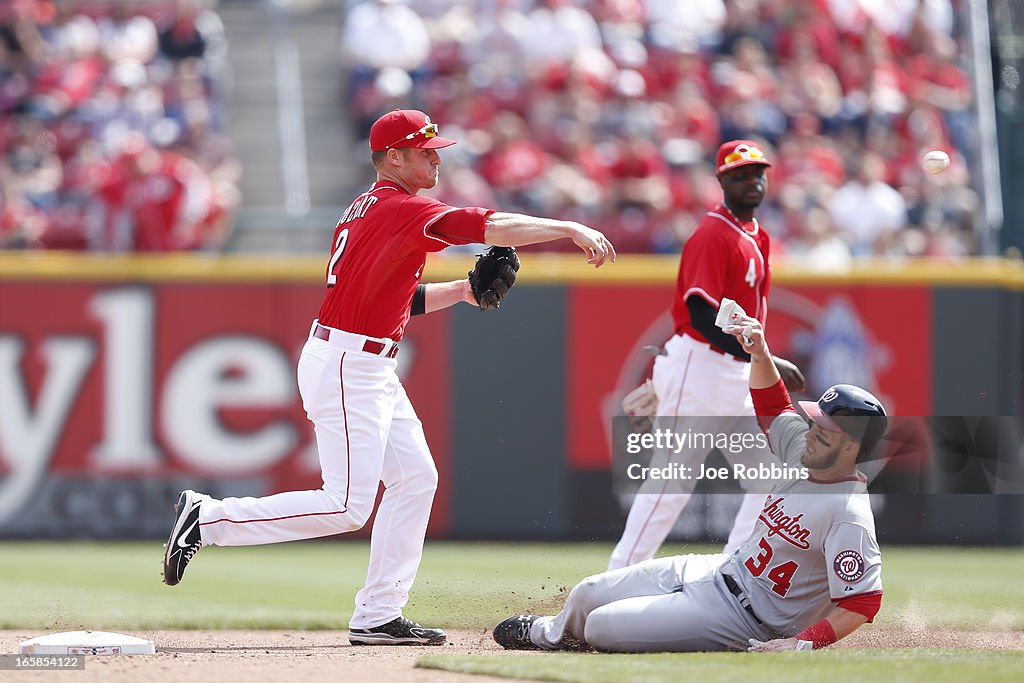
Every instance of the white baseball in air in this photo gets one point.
(935, 161)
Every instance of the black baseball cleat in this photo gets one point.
(184, 541)
(514, 633)
(399, 631)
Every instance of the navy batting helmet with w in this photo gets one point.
(850, 410)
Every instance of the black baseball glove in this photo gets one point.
(493, 275)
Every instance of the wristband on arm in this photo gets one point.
(419, 301)
(820, 634)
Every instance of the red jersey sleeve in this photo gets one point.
(867, 604)
(432, 225)
(461, 226)
(705, 267)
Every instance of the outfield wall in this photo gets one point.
(124, 379)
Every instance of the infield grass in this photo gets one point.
(311, 585)
(917, 666)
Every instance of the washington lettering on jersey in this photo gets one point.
(788, 528)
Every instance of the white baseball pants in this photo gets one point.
(366, 432)
(691, 380)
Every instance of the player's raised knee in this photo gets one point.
(354, 511)
(358, 516)
(585, 595)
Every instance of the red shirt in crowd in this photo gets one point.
(167, 203)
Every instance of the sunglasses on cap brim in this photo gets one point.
(428, 131)
(744, 153)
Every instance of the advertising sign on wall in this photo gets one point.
(113, 398)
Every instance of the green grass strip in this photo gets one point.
(910, 666)
(311, 585)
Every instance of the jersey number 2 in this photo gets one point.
(751, 276)
(780, 575)
(339, 249)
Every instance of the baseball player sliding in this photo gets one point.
(808, 575)
(703, 371)
(366, 429)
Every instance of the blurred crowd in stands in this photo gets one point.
(603, 111)
(609, 112)
(110, 126)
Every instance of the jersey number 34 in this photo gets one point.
(781, 575)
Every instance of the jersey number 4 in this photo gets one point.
(751, 276)
(339, 249)
(781, 575)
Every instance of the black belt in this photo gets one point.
(735, 589)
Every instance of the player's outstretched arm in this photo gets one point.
(516, 230)
(837, 625)
(750, 335)
(438, 295)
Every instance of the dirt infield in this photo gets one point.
(907, 636)
(266, 656)
(326, 655)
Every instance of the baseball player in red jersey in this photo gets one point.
(809, 574)
(703, 371)
(366, 429)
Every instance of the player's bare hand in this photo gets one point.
(790, 373)
(594, 244)
(779, 645)
(749, 334)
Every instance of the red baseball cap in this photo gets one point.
(739, 153)
(405, 128)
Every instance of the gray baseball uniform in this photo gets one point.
(814, 545)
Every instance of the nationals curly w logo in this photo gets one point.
(849, 566)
